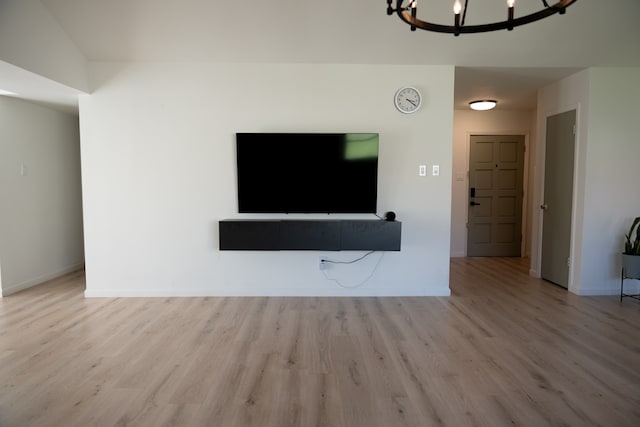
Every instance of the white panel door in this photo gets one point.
(558, 196)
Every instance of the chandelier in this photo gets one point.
(408, 14)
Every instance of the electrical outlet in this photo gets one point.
(322, 263)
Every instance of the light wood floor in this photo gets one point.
(504, 349)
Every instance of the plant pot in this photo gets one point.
(631, 266)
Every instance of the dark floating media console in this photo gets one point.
(322, 235)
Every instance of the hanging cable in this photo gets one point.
(375, 267)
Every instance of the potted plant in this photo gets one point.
(631, 254)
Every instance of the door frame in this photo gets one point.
(525, 185)
(536, 270)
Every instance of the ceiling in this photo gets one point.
(509, 66)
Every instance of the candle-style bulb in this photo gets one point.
(510, 3)
(414, 11)
(457, 7)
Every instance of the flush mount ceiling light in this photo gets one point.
(409, 12)
(483, 104)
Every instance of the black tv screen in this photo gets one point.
(307, 172)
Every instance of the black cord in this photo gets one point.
(544, 2)
(378, 216)
(464, 14)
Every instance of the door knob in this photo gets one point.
(544, 207)
(474, 204)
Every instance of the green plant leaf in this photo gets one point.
(632, 245)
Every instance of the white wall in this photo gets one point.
(612, 183)
(41, 214)
(606, 183)
(32, 40)
(467, 123)
(159, 173)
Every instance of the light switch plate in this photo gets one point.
(435, 170)
(422, 170)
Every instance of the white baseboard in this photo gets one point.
(597, 292)
(12, 289)
(629, 288)
(172, 293)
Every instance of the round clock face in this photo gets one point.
(408, 100)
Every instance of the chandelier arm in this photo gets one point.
(405, 15)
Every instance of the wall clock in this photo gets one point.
(408, 99)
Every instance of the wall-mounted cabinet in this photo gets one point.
(322, 235)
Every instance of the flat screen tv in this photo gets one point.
(307, 172)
